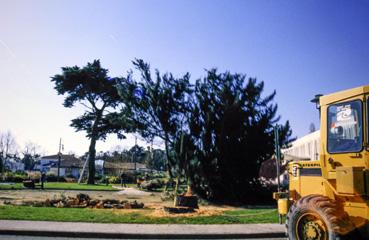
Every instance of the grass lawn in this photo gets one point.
(139, 216)
(66, 186)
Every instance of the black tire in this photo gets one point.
(317, 217)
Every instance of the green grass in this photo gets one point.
(66, 186)
(12, 186)
(139, 216)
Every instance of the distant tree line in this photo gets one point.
(216, 130)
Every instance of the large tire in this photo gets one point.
(317, 217)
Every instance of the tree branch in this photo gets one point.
(83, 104)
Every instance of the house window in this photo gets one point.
(345, 127)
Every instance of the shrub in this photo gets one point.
(69, 180)
(52, 177)
(21, 173)
(34, 175)
(99, 178)
(114, 179)
(130, 177)
(69, 176)
(15, 177)
(152, 184)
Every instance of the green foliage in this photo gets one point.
(152, 184)
(158, 160)
(216, 132)
(93, 88)
(51, 177)
(15, 177)
(231, 133)
(161, 108)
(114, 179)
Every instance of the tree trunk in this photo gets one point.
(168, 159)
(168, 166)
(91, 161)
(92, 149)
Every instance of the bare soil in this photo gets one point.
(152, 200)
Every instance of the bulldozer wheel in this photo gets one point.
(316, 217)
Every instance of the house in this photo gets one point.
(70, 166)
(99, 167)
(14, 164)
(268, 170)
(306, 147)
(116, 168)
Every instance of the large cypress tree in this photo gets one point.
(231, 127)
(157, 106)
(91, 87)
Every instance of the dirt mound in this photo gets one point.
(203, 211)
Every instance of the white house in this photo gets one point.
(306, 147)
(69, 165)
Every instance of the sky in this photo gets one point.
(298, 48)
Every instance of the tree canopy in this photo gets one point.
(231, 127)
(91, 87)
(156, 105)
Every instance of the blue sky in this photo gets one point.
(298, 48)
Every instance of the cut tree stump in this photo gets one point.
(186, 201)
(29, 184)
(178, 210)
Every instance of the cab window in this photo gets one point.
(345, 127)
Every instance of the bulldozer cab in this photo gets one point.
(344, 140)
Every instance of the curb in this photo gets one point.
(140, 236)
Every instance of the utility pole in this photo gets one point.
(135, 154)
(278, 160)
(59, 157)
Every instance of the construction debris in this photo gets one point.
(151, 184)
(81, 201)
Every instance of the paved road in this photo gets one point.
(14, 237)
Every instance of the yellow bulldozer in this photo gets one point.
(329, 198)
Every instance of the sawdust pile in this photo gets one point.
(202, 211)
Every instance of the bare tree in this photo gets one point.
(32, 149)
(30, 153)
(8, 146)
